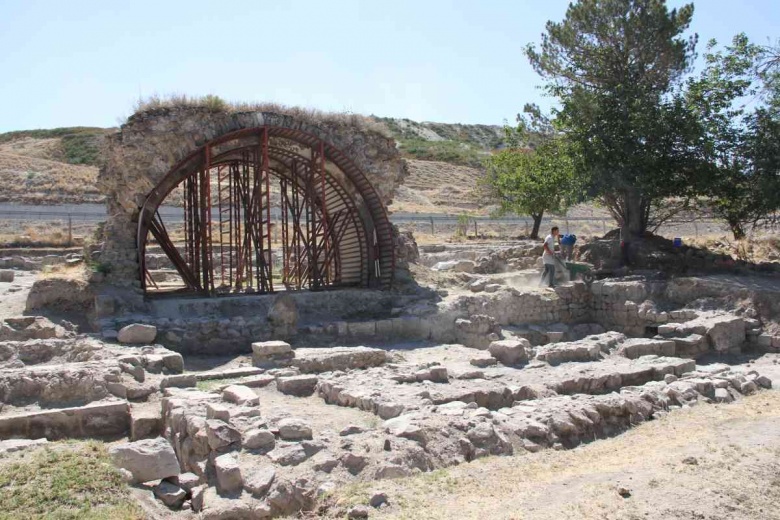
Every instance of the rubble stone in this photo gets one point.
(170, 494)
(258, 439)
(259, 481)
(510, 351)
(292, 429)
(137, 333)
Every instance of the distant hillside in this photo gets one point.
(465, 145)
(58, 166)
(73, 145)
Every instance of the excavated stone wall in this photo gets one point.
(153, 141)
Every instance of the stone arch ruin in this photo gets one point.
(248, 202)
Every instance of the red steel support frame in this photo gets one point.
(322, 231)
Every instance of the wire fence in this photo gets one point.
(433, 224)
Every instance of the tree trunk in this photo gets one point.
(537, 224)
(737, 229)
(632, 212)
(635, 218)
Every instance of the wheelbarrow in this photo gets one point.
(576, 269)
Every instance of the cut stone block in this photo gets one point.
(219, 411)
(300, 386)
(229, 478)
(362, 328)
(315, 360)
(145, 422)
(634, 348)
(240, 394)
(179, 381)
(269, 354)
(146, 460)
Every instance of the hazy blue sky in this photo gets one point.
(78, 62)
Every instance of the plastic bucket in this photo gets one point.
(677, 242)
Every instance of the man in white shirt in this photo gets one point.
(548, 256)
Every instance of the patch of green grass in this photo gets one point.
(211, 384)
(81, 148)
(65, 481)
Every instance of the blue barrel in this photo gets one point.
(677, 242)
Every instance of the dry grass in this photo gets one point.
(43, 234)
(736, 477)
(65, 272)
(760, 247)
(438, 187)
(154, 103)
(65, 481)
(31, 180)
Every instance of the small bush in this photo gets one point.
(99, 267)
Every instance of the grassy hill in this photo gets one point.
(72, 145)
(53, 166)
(465, 145)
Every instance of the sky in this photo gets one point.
(85, 63)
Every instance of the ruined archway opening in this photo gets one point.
(259, 211)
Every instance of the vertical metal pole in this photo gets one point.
(311, 225)
(205, 230)
(267, 173)
(283, 223)
(221, 227)
(231, 203)
(324, 203)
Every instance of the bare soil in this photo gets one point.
(13, 296)
(712, 462)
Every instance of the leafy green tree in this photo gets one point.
(615, 67)
(532, 181)
(739, 145)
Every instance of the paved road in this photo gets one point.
(97, 212)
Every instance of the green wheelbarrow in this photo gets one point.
(576, 269)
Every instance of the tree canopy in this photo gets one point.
(739, 132)
(615, 67)
(532, 180)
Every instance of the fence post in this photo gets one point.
(476, 234)
(433, 230)
(70, 230)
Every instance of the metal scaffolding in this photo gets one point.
(228, 188)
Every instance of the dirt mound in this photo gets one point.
(61, 294)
